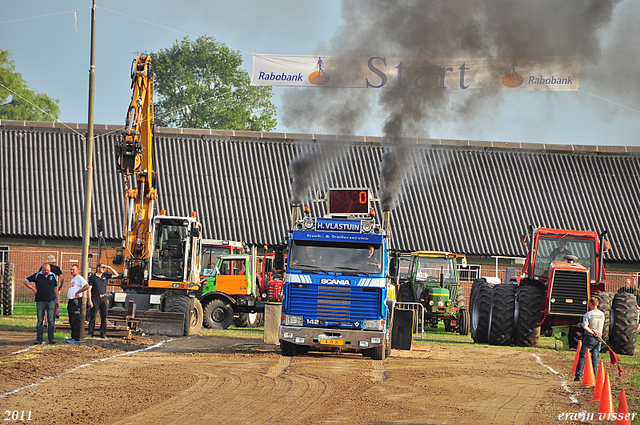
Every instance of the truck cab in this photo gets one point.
(337, 292)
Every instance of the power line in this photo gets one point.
(43, 16)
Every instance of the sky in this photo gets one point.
(50, 44)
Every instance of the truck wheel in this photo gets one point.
(8, 290)
(218, 314)
(604, 304)
(503, 302)
(377, 353)
(480, 304)
(287, 349)
(463, 322)
(529, 316)
(248, 320)
(176, 303)
(405, 294)
(625, 324)
(197, 317)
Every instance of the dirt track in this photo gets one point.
(207, 380)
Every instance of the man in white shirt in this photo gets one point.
(76, 287)
(592, 323)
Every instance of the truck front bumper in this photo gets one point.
(331, 339)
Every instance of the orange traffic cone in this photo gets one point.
(597, 393)
(606, 401)
(623, 411)
(575, 361)
(588, 380)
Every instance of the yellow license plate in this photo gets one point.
(331, 342)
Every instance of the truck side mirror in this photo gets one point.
(278, 262)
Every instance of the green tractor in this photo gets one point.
(430, 278)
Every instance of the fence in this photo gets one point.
(28, 262)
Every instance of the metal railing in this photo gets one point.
(418, 316)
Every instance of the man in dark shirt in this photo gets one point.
(45, 285)
(98, 283)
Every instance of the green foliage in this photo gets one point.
(18, 101)
(200, 85)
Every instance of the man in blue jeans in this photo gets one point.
(45, 285)
(592, 323)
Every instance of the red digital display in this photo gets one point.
(348, 201)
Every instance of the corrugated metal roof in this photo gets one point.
(470, 197)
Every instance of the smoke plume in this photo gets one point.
(512, 29)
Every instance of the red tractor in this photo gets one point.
(272, 276)
(563, 269)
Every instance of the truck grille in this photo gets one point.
(335, 305)
(569, 289)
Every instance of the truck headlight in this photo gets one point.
(376, 325)
(292, 320)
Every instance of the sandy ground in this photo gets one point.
(209, 380)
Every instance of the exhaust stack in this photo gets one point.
(296, 214)
(386, 221)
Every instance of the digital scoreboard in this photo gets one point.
(348, 201)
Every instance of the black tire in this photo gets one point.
(177, 303)
(197, 318)
(460, 300)
(287, 348)
(529, 316)
(625, 324)
(501, 318)
(480, 305)
(463, 322)
(8, 290)
(218, 314)
(377, 353)
(604, 304)
(248, 320)
(575, 335)
(405, 294)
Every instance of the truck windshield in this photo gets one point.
(345, 258)
(169, 248)
(555, 248)
(428, 269)
(210, 256)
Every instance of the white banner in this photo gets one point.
(547, 73)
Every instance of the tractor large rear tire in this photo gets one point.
(8, 290)
(501, 318)
(405, 294)
(625, 324)
(529, 316)
(177, 303)
(218, 314)
(463, 322)
(480, 304)
(604, 303)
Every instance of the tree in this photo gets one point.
(17, 100)
(200, 85)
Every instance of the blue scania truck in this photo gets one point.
(337, 293)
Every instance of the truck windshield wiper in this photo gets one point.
(351, 269)
(304, 267)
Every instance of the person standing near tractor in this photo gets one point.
(57, 271)
(592, 323)
(76, 287)
(45, 285)
(98, 284)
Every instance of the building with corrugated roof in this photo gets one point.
(471, 197)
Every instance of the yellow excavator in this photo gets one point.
(159, 260)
